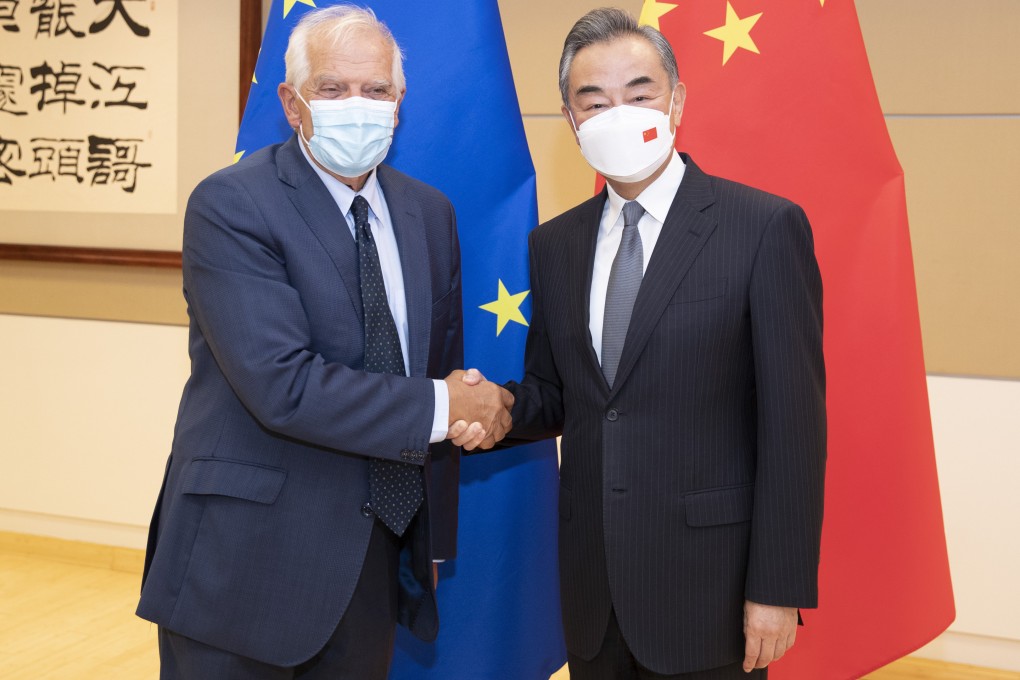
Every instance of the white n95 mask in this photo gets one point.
(351, 136)
(626, 143)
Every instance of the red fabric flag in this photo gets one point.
(780, 96)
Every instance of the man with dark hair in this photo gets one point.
(676, 343)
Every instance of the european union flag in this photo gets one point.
(461, 131)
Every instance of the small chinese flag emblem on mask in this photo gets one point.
(650, 134)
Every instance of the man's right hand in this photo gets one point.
(485, 405)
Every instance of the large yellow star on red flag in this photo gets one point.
(736, 33)
(506, 307)
(651, 10)
(288, 5)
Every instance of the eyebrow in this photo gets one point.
(640, 80)
(595, 89)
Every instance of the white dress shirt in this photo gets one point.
(656, 200)
(393, 275)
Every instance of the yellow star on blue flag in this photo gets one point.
(506, 307)
(288, 5)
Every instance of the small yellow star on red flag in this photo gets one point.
(651, 10)
(506, 307)
(736, 33)
(288, 5)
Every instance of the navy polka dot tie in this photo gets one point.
(396, 488)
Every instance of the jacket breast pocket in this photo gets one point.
(233, 478)
(727, 505)
(699, 291)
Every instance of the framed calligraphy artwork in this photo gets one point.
(91, 102)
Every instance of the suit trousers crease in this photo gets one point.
(614, 661)
(360, 648)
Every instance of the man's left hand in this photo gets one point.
(768, 633)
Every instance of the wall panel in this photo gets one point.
(944, 56)
(962, 175)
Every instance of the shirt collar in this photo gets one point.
(343, 194)
(656, 199)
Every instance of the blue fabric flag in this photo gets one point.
(461, 131)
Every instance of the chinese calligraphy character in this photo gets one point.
(7, 20)
(45, 9)
(10, 78)
(113, 161)
(119, 8)
(67, 153)
(56, 87)
(8, 149)
(119, 84)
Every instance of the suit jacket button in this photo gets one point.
(406, 454)
(366, 510)
(612, 415)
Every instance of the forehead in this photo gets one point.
(361, 52)
(615, 63)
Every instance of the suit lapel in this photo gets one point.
(409, 228)
(320, 212)
(684, 234)
(581, 261)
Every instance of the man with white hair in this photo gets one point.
(303, 504)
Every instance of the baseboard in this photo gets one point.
(74, 552)
(74, 528)
(973, 650)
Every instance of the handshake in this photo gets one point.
(479, 410)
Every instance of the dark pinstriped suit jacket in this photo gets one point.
(697, 481)
(259, 535)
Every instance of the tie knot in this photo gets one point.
(359, 209)
(632, 212)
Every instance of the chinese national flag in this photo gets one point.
(780, 96)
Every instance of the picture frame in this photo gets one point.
(250, 26)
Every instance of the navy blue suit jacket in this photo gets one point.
(259, 534)
(696, 481)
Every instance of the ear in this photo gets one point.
(570, 121)
(396, 112)
(679, 97)
(291, 104)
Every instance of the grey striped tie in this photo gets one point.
(624, 283)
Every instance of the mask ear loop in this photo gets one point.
(669, 116)
(301, 127)
(572, 121)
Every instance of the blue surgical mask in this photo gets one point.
(351, 136)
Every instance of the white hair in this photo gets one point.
(335, 24)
